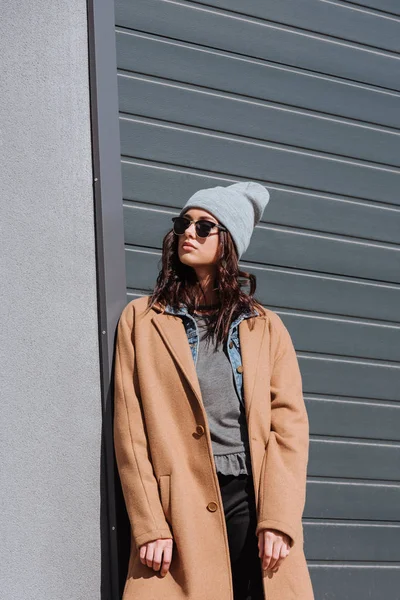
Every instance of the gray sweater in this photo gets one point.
(226, 417)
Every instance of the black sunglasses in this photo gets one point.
(203, 226)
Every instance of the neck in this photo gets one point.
(208, 294)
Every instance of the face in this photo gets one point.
(202, 251)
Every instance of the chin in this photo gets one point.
(186, 259)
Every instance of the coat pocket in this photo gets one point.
(164, 484)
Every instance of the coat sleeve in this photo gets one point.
(138, 480)
(284, 472)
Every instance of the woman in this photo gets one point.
(210, 426)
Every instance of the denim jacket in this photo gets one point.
(233, 342)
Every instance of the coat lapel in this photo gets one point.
(250, 347)
(172, 331)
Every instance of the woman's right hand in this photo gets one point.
(156, 554)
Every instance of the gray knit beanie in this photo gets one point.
(239, 207)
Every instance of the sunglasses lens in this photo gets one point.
(203, 228)
(180, 224)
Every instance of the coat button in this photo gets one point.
(200, 429)
(239, 369)
(212, 506)
(230, 344)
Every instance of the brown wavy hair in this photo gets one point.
(177, 283)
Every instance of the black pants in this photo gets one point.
(240, 516)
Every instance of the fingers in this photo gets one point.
(147, 553)
(157, 555)
(267, 553)
(272, 550)
(167, 558)
(278, 555)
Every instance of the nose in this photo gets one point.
(191, 230)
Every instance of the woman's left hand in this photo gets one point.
(273, 548)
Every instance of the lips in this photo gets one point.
(187, 245)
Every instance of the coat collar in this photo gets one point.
(173, 333)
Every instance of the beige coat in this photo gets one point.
(165, 460)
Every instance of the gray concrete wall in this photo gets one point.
(50, 406)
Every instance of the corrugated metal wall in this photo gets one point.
(304, 97)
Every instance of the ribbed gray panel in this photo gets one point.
(355, 500)
(352, 582)
(302, 96)
(253, 78)
(283, 45)
(337, 19)
(349, 542)
(354, 418)
(355, 459)
(346, 336)
(188, 105)
(253, 159)
(329, 374)
(391, 6)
